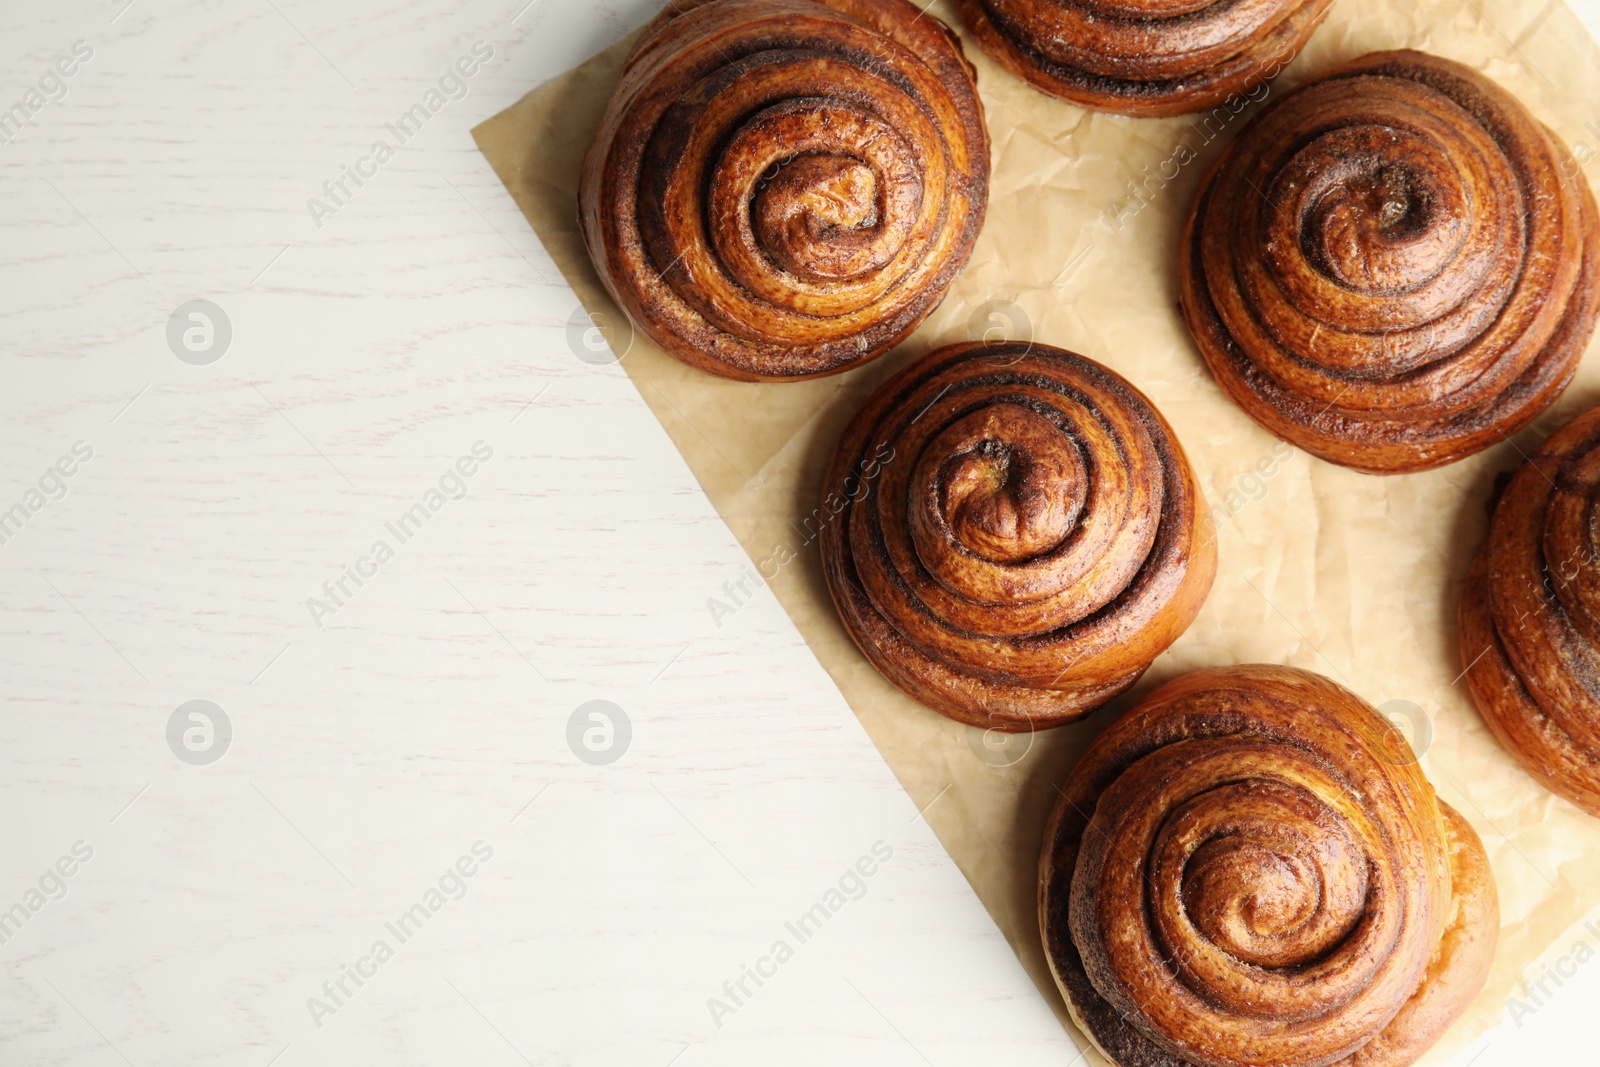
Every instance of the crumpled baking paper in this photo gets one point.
(1354, 576)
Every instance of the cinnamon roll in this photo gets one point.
(1393, 267)
(1012, 534)
(1240, 871)
(1530, 616)
(782, 189)
(1144, 57)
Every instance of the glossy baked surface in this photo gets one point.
(782, 189)
(1249, 867)
(1144, 57)
(1014, 534)
(1530, 616)
(1388, 267)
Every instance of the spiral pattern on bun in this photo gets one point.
(1144, 57)
(1240, 872)
(1013, 534)
(1388, 269)
(1530, 616)
(782, 189)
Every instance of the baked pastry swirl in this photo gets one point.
(1249, 868)
(1530, 616)
(782, 189)
(1012, 534)
(1388, 269)
(1144, 57)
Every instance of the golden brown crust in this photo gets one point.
(1144, 57)
(1249, 867)
(782, 189)
(1015, 534)
(1460, 963)
(1388, 267)
(1530, 641)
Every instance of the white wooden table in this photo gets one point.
(386, 756)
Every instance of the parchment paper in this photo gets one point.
(1347, 574)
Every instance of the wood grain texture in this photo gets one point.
(368, 355)
(417, 320)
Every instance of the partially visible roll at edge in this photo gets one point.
(1148, 65)
(1528, 616)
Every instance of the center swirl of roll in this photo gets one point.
(819, 183)
(1375, 229)
(1010, 490)
(816, 217)
(822, 191)
(1380, 212)
(1031, 503)
(1263, 871)
(812, 203)
(781, 189)
(1380, 229)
